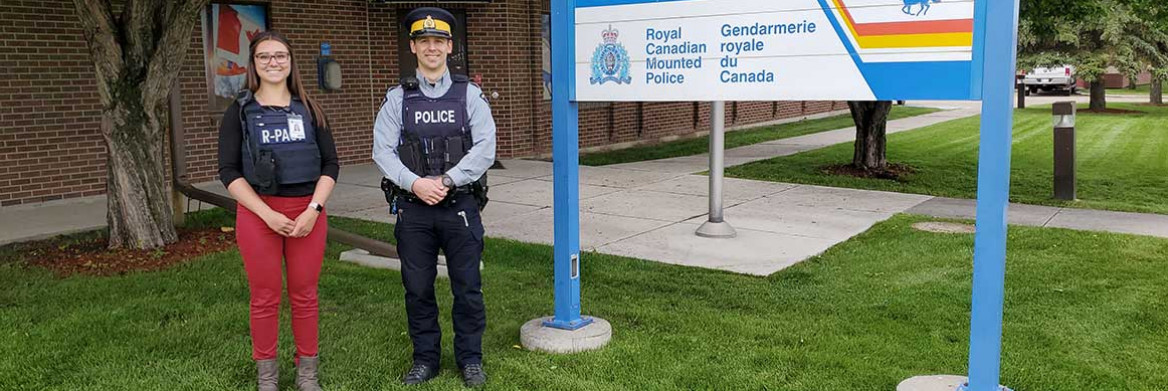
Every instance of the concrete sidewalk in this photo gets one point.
(1056, 217)
(653, 215)
(47, 219)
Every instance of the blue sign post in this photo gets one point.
(993, 193)
(867, 46)
(566, 152)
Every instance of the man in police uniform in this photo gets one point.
(433, 140)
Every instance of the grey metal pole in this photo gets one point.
(716, 227)
(717, 155)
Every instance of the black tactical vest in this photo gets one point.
(279, 145)
(439, 128)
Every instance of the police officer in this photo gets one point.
(434, 139)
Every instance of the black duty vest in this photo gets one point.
(437, 127)
(279, 145)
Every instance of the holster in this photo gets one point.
(392, 194)
(479, 190)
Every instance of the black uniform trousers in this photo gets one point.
(457, 229)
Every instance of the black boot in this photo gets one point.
(420, 373)
(473, 375)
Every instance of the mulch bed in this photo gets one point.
(895, 171)
(91, 257)
(1111, 111)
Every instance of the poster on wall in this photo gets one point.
(227, 33)
(546, 39)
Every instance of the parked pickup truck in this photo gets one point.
(1050, 79)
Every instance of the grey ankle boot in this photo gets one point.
(268, 375)
(306, 374)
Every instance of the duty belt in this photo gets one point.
(410, 197)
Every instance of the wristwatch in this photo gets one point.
(447, 181)
(315, 206)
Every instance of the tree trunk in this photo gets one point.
(136, 58)
(1098, 96)
(138, 195)
(871, 119)
(1157, 95)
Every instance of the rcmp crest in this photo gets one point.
(610, 61)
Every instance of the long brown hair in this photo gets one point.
(295, 86)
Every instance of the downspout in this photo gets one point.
(178, 157)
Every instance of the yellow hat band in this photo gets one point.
(437, 25)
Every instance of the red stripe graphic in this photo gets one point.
(905, 28)
(923, 27)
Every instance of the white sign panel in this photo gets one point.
(702, 50)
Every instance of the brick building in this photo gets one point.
(51, 146)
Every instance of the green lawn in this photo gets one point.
(700, 145)
(1084, 311)
(1121, 161)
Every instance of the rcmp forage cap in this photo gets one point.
(430, 22)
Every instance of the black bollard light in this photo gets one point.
(1021, 87)
(1064, 150)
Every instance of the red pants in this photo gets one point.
(263, 250)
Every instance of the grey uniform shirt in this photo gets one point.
(388, 127)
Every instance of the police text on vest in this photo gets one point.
(434, 117)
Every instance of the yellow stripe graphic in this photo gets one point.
(916, 40)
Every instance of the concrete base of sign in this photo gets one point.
(535, 336)
(721, 229)
(937, 383)
(932, 383)
(364, 258)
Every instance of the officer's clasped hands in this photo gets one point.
(429, 190)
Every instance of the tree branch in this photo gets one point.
(167, 59)
(138, 17)
(164, 14)
(101, 35)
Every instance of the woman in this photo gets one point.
(278, 160)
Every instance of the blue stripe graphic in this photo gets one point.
(940, 80)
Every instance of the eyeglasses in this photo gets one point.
(266, 58)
